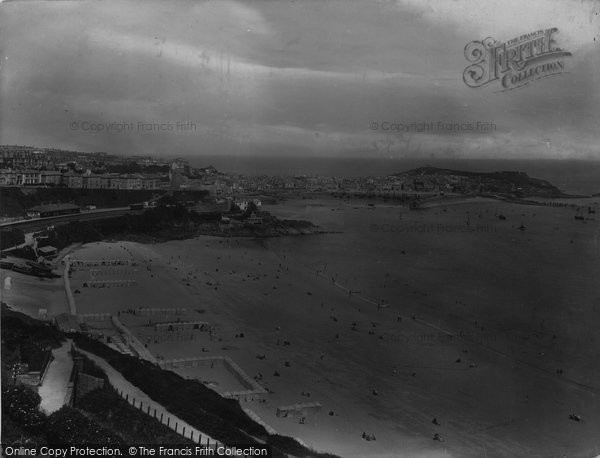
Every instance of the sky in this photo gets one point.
(291, 78)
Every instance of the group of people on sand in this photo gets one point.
(437, 436)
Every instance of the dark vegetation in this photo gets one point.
(22, 336)
(22, 422)
(91, 369)
(160, 223)
(25, 252)
(113, 412)
(11, 237)
(70, 426)
(15, 201)
(505, 182)
(24, 341)
(27, 340)
(166, 222)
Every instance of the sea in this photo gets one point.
(580, 177)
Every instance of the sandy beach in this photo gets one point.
(478, 317)
(29, 294)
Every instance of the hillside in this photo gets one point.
(101, 417)
(507, 183)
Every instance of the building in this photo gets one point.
(150, 181)
(30, 177)
(50, 177)
(131, 181)
(72, 180)
(91, 181)
(45, 211)
(48, 251)
(9, 177)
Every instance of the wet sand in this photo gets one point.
(28, 294)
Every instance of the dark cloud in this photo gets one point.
(281, 78)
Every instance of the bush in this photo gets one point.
(25, 252)
(10, 238)
(69, 426)
(21, 404)
(133, 425)
(18, 328)
(151, 222)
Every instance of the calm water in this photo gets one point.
(577, 177)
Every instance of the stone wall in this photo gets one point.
(87, 383)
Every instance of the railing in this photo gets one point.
(172, 422)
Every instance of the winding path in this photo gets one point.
(54, 388)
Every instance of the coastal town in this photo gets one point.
(37, 167)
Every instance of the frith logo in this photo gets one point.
(516, 62)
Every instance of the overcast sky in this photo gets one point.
(291, 77)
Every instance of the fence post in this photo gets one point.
(161, 417)
(176, 424)
(183, 434)
(168, 420)
(127, 397)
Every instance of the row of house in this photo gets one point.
(86, 180)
